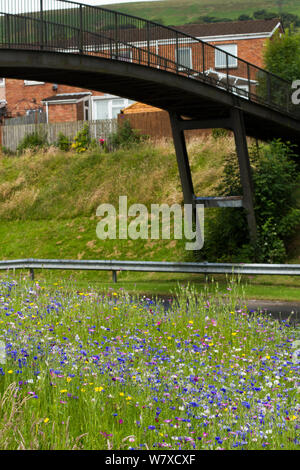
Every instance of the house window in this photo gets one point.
(2, 82)
(116, 107)
(184, 57)
(33, 82)
(220, 57)
(109, 108)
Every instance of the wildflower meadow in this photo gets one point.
(87, 370)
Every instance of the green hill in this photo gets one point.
(172, 12)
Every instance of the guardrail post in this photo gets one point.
(31, 270)
(114, 277)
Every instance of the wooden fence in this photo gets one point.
(156, 124)
(11, 136)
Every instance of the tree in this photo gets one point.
(282, 56)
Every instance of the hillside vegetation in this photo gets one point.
(171, 12)
(48, 200)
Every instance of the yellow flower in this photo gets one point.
(69, 379)
(98, 389)
(128, 398)
(46, 420)
(121, 394)
(10, 372)
(64, 391)
(233, 334)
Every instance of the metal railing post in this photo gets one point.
(227, 70)
(148, 42)
(41, 25)
(269, 88)
(249, 81)
(116, 35)
(177, 55)
(7, 20)
(80, 30)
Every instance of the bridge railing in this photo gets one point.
(68, 26)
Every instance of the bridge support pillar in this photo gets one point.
(238, 128)
(182, 159)
(234, 122)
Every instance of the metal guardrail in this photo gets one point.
(151, 266)
(71, 27)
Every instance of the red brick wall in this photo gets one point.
(20, 97)
(62, 112)
(250, 50)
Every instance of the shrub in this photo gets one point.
(218, 133)
(82, 139)
(125, 136)
(63, 142)
(275, 182)
(35, 141)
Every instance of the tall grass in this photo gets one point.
(92, 371)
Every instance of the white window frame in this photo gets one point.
(32, 82)
(2, 82)
(232, 62)
(183, 67)
(110, 99)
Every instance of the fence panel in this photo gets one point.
(13, 135)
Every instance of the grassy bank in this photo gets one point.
(48, 205)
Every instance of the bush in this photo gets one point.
(63, 142)
(125, 136)
(35, 141)
(218, 133)
(275, 181)
(82, 139)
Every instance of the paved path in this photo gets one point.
(278, 309)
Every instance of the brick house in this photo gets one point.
(244, 39)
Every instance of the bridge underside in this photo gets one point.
(165, 90)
